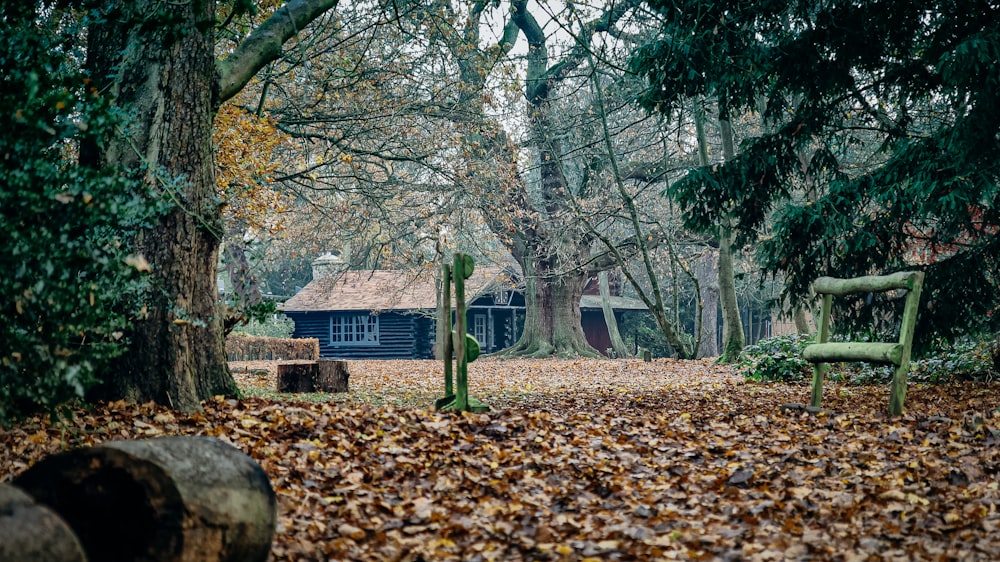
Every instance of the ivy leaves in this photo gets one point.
(66, 286)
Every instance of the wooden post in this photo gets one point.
(458, 336)
(898, 392)
(444, 318)
(819, 369)
(466, 348)
(176, 499)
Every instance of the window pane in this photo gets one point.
(336, 329)
(479, 328)
(355, 329)
(349, 329)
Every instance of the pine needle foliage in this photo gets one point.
(879, 145)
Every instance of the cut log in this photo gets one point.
(325, 375)
(868, 284)
(297, 376)
(178, 498)
(332, 375)
(835, 352)
(31, 532)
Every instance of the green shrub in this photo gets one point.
(964, 360)
(68, 284)
(777, 359)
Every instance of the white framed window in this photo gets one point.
(356, 329)
(502, 297)
(479, 328)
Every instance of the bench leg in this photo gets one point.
(898, 393)
(819, 372)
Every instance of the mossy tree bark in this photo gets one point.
(158, 62)
(733, 338)
(552, 314)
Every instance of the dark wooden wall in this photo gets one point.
(401, 336)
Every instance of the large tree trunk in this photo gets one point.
(733, 337)
(158, 63)
(802, 325)
(167, 83)
(552, 316)
(707, 268)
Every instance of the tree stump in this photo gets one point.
(325, 375)
(297, 376)
(31, 532)
(190, 499)
(332, 375)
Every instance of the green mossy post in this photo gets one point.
(462, 369)
(898, 354)
(820, 368)
(465, 347)
(444, 317)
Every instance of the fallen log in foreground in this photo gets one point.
(32, 532)
(167, 499)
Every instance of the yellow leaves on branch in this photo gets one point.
(245, 161)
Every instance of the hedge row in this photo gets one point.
(240, 347)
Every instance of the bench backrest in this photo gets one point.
(898, 353)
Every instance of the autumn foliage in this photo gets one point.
(596, 460)
(245, 163)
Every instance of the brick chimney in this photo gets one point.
(327, 265)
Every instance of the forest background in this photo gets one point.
(729, 150)
(709, 152)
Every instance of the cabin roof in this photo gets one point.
(383, 290)
(380, 290)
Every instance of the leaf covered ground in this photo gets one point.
(601, 460)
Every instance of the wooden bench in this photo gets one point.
(823, 351)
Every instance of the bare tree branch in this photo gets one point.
(264, 44)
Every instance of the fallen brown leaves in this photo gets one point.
(596, 459)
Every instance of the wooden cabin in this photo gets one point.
(383, 314)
